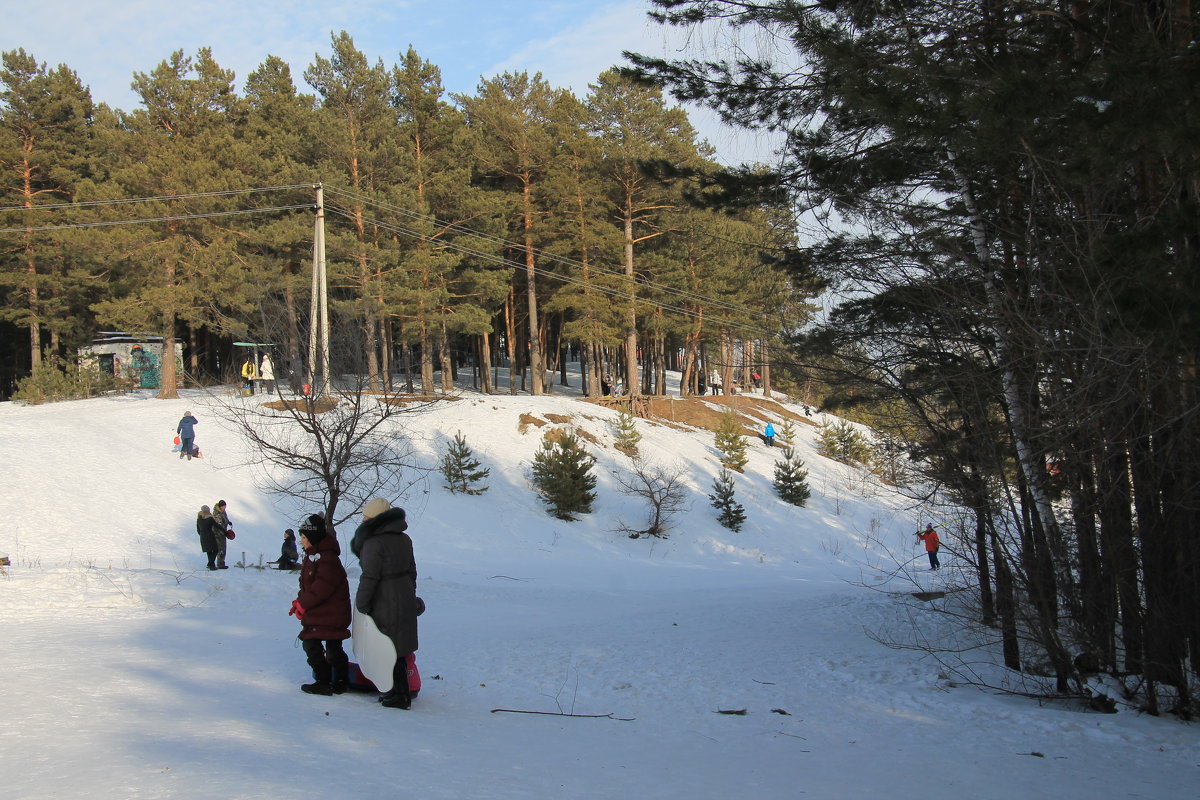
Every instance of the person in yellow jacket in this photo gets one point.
(249, 373)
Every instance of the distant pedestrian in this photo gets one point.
(249, 373)
(224, 527)
(187, 434)
(206, 529)
(757, 380)
(930, 537)
(289, 556)
(267, 373)
(769, 435)
(323, 608)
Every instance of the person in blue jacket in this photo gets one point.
(769, 435)
(187, 434)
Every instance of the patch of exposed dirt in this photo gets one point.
(408, 399)
(706, 412)
(554, 434)
(320, 405)
(525, 420)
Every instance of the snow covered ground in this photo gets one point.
(131, 672)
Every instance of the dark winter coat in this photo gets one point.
(324, 592)
(288, 554)
(387, 590)
(186, 427)
(206, 529)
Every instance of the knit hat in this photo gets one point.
(313, 528)
(375, 507)
(205, 510)
(220, 504)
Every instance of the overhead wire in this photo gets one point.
(617, 293)
(553, 257)
(680, 294)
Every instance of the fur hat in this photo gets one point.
(375, 507)
(313, 528)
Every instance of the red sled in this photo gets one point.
(361, 683)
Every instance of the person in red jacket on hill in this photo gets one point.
(930, 537)
(323, 608)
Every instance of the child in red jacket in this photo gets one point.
(930, 538)
(323, 608)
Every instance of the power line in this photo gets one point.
(160, 198)
(143, 220)
(564, 260)
(617, 293)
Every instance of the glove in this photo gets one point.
(297, 610)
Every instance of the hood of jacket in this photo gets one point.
(391, 521)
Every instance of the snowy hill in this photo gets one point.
(132, 672)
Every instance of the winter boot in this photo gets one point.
(322, 672)
(341, 678)
(318, 687)
(398, 697)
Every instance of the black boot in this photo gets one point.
(341, 678)
(322, 672)
(398, 697)
(316, 688)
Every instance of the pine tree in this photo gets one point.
(461, 469)
(562, 474)
(791, 478)
(731, 442)
(788, 430)
(627, 433)
(732, 515)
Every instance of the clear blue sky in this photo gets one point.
(569, 41)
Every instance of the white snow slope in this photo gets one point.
(132, 672)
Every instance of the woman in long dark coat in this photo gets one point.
(387, 590)
(206, 529)
(323, 608)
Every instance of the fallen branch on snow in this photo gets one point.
(562, 714)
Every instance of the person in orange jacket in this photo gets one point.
(930, 537)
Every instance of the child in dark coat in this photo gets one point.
(289, 556)
(323, 608)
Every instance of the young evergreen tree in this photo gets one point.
(791, 478)
(788, 432)
(841, 441)
(461, 469)
(730, 440)
(562, 474)
(732, 515)
(627, 433)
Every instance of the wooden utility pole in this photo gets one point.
(318, 332)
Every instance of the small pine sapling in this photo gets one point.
(562, 475)
(627, 433)
(791, 482)
(788, 429)
(730, 440)
(732, 515)
(461, 469)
